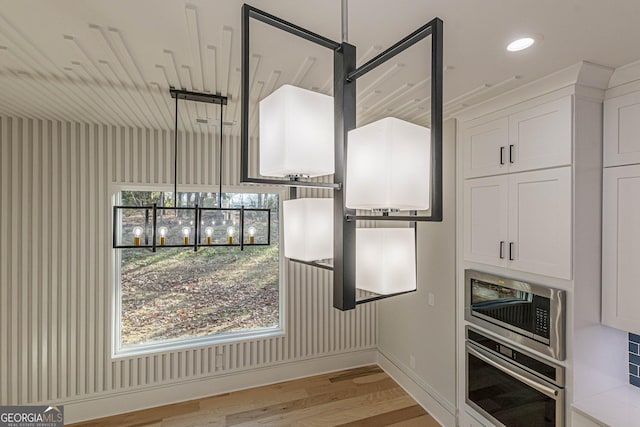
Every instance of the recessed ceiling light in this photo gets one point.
(520, 44)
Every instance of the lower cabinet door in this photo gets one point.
(621, 248)
(485, 217)
(540, 212)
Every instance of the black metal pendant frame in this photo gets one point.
(345, 75)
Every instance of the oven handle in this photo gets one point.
(547, 391)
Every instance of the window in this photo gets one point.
(175, 296)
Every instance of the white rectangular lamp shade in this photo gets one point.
(296, 133)
(308, 229)
(385, 260)
(389, 166)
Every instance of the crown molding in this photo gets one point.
(589, 77)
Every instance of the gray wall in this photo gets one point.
(408, 325)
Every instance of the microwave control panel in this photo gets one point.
(542, 322)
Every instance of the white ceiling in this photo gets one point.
(113, 61)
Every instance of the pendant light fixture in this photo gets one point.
(388, 165)
(296, 133)
(152, 227)
(386, 260)
(308, 229)
(384, 167)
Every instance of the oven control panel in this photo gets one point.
(526, 360)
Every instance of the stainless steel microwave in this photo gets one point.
(528, 314)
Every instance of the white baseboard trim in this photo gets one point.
(166, 394)
(443, 411)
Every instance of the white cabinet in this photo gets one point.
(541, 137)
(622, 130)
(520, 221)
(621, 248)
(540, 222)
(535, 138)
(485, 148)
(485, 217)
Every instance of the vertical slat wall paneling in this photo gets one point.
(25, 274)
(98, 272)
(105, 259)
(39, 191)
(56, 292)
(74, 237)
(16, 220)
(7, 251)
(79, 286)
(30, 254)
(54, 247)
(19, 273)
(93, 247)
(5, 164)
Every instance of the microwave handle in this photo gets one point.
(547, 391)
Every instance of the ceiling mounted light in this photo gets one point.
(390, 165)
(521, 44)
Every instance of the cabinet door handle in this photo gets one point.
(502, 155)
(510, 153)
(501, 249)
(511, 251)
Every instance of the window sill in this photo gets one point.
(191, 343)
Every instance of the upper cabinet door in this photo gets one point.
(541, 137)
(485, 220)
(485, 148)
(621, 248)
(540, 222)
(622, 130)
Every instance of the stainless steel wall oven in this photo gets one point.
(512, 387)
(528, 314)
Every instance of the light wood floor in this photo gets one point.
(356, 397)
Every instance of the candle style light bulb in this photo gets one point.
(186, 231)
(137, 236)
(252, 233)
(230, 232)
(209, 232)
(163, 235)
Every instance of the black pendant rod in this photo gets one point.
(175, 159)
(208, 98)
(220, 161)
